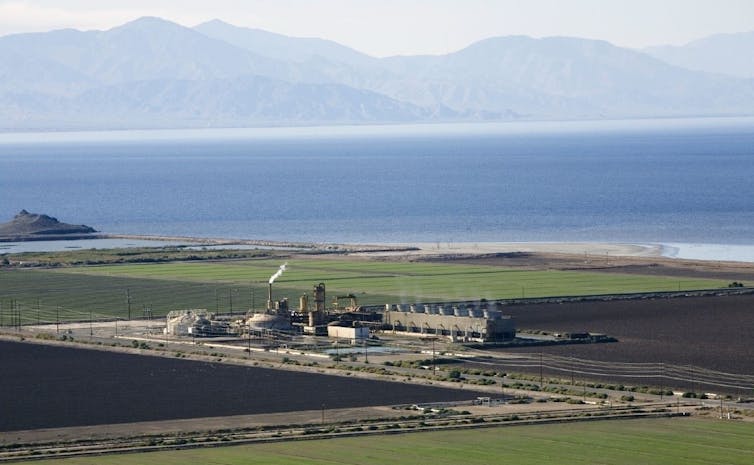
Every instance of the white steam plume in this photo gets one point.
(278, 272)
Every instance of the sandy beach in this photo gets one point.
(588, 250)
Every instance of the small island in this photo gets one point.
(27, 226)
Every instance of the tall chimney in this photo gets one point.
(269, 298)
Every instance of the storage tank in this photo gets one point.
(493, 314)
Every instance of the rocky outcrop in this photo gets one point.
(27, 225)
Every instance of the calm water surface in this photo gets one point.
(670, 181)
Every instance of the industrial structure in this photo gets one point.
(462, 323)
(352, 334)
(198, 323)
(459, 321)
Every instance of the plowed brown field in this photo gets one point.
(715, 333)
(48, 387)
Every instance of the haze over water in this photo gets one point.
(660, 181)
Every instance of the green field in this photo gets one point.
(629, 442)
(217, 285)
(407, 281)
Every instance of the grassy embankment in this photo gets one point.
(215, 285)
(65, 258)
(665, 441)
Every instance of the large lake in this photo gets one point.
(656, 181)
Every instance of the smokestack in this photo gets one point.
(269, 296)
(278, 272)
(272, 280)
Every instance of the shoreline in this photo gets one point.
(589, 250)
(743, 254)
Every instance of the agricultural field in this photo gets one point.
(617, 442)
(63, 258)
(713, 332)
(54, 387)
(217, 286)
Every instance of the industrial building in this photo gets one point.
(197, 322)
(352, 334)
(462, 323)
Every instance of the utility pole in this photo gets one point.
(662, 380)
(434, 363)
(721, 408)
(252, 299)
(249, 348)
(584, 394)
(128, 302)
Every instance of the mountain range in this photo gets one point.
(152, 73)
(728, 54)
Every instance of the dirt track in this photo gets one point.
(653, 266)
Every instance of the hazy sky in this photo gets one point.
(390, 27)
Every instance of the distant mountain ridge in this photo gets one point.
(728, 54)
(155, 73)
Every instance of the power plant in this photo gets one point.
(462, 322)
(457, 321)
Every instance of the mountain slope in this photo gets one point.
(557, 76)
(232, 102)
(730, 54)
(281, 47)
(154, 73)
(147, 48)
(251, 99)
(317, 60)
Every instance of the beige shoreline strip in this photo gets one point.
(596, 249)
